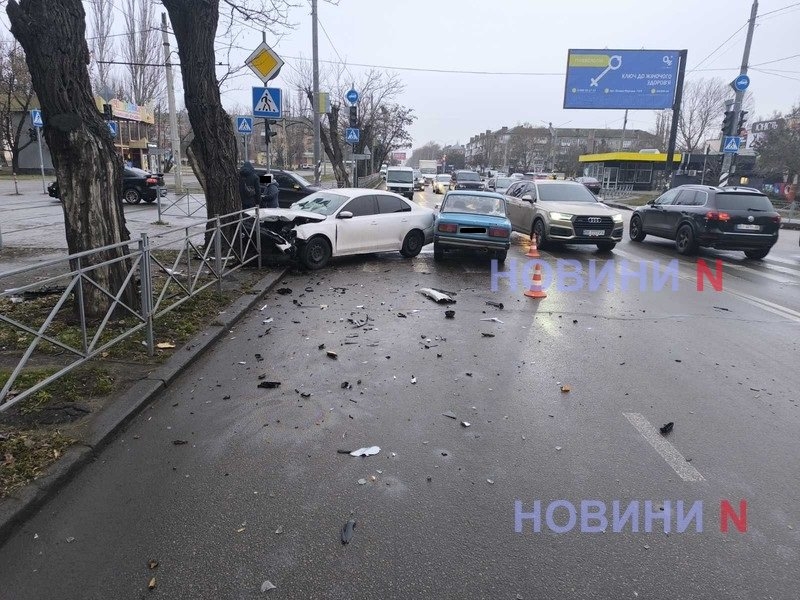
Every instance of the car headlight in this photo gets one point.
(617, 218)
(557, 216)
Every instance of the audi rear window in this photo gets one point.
(467, 177)
(755, 202)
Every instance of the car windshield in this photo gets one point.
(567, 192)
(400, 177)
(323, 203)
(443, 178)
(467, 176)
(481, 205)
(503, 182)
(739, 201)
(302, 181)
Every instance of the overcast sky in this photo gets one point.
(533, 36)
(526, 36)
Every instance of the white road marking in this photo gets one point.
(667, 451)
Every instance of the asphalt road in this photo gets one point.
(438, 520)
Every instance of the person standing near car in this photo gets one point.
(249, 186)
(270, 196)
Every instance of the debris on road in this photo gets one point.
(369, 451)
(151, 585)
(493, 320)
(356, 323)
(284, 291)
(449, 415)
(152, 564)
(558, 448)
(449, 314)
(70, 540)
(722, 308)
(402, 315)
(279, 530)
(667, 428)
(495, 304)
(179, 442)
(347, 531)
(487, 334)
(490, 481)
(267, 586)
(269, 384)
(165, 345)
(332, 354)
(465, 423)
(305, 394)
(321, 347)
(346, 385)
(362, 482)
(436, 296)
(565, 389)
(413, 380)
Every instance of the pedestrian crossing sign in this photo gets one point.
(731, 144)
(267, 102)
(244, 125)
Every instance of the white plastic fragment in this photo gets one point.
(368, 451)
(267, 586)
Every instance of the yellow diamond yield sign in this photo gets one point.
(265, 62)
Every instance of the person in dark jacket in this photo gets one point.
(249, 186)
(269, 198)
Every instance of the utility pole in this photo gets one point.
(624, 127)
(175, 140)
(728, 167)
(314, 108)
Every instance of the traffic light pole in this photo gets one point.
(266, 140)
(728, 163)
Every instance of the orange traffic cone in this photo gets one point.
(536, 290)
(533, 251)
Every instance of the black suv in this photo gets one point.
(726, 218)
(291, 187)
(466, 180)
(137, 185)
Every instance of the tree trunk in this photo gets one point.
(194, 23)
(332, 145)
(88, 169)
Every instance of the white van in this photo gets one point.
(400, 180)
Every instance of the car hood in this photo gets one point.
(287, 214)
(584, 209)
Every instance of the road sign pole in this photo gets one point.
(244, 143)
(41, 157)
(266, 141)
(728, 165)
(676, 111)
(315, 94)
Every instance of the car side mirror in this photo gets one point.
(296, 187)
(345, 214)
(527, 198)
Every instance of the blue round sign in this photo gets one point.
(741, 83)
(352, 96)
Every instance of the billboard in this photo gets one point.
(621, 79)
(758, 130)
(398, 156)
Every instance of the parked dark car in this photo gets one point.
(291, 186)
(590, 182)
(466, 180)
(726, 218)
(137, 185)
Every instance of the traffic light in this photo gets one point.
(267, 127)
(727, 122)
(33, 134)
(742, 120)
(107, 112)
(353, 116)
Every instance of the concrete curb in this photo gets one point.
(23, 503)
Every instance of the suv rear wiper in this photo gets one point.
(757, 209)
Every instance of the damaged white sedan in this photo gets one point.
(343, 222)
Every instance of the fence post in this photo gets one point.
(188, 250)
(81, 309)
(158, 202)
(218, 251)
(257, 233)
(146, 291)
